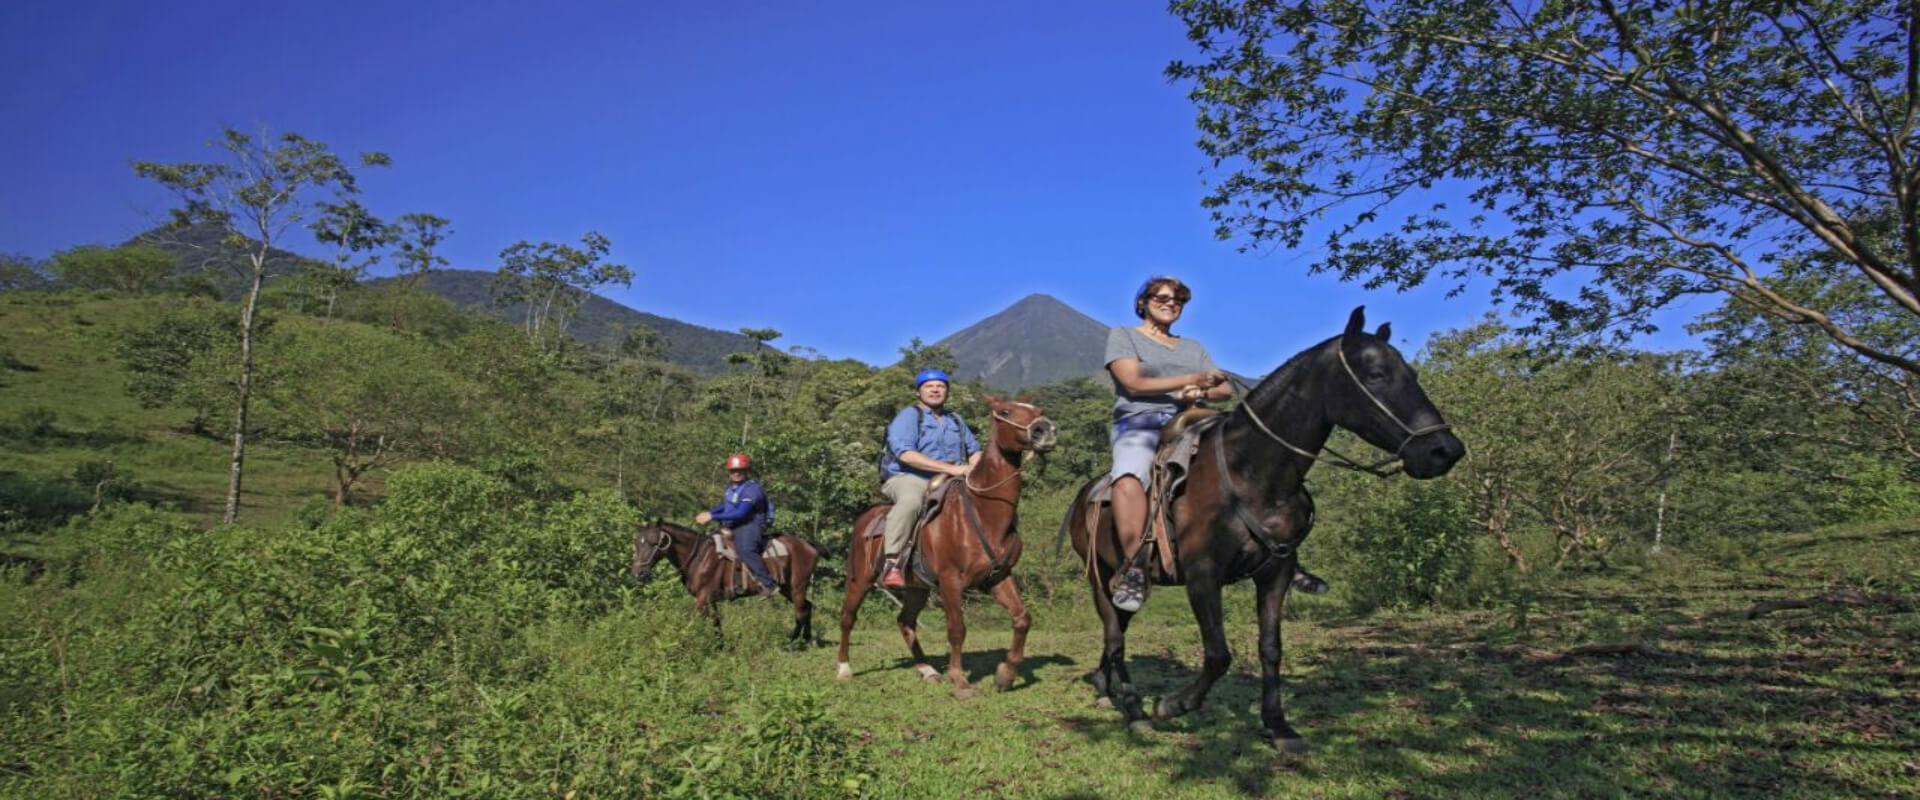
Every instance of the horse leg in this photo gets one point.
(802, 608)
(1273, 719)
(1112, 684)
(952, 600)
(1204, 595)
(912, 602)
(859, 581)
(1009, 597)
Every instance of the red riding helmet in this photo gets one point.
(739, 461)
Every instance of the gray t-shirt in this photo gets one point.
(1156, 361)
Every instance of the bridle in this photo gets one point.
(1007, 418)
(658, 546)
(1339, 459)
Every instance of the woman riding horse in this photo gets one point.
(1156, 375)
(1243, 512)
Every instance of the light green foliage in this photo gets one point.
(134, 268)
(1413, 548)
(549, 282)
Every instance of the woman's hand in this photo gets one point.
(1189, 393)
(702, 518)
(1212, 378)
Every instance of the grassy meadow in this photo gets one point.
(459, 639)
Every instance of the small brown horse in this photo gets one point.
(964, 549)
(1243, 511)
(704, 572)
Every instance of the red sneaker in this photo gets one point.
(892, 577)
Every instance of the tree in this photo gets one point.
(1649, 150)
(416, 237)
(550, 281)
(764, 364)
(367, 396)
(918, 355)
(260, 188)
(22, 273)
(1776, 360)
(134, 268)
(356, 237)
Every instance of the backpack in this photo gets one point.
(887, 459)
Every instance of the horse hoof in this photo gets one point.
(1291, 746)
(963, 693)
(1162, 711)
(1103, 702)
(844, 672)
(1140, 726)
(929, 674)
(1002, 679)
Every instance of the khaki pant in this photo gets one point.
(908, 493)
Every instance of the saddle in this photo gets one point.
(737, 581)
(938, 491)
(1179, 441)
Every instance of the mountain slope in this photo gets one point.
(1037, 340)
(600, 321)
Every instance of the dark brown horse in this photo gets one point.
(707, 575)
(1243, 511)
(971, 542)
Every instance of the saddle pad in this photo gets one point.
(775, 546)
(936, 497)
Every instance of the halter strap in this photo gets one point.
(1340, 459)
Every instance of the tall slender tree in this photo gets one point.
(260, 188)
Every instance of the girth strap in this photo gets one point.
(1274, 546)
(996, 569)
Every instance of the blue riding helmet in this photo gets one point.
(930, 375)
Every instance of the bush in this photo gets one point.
(1412, 548)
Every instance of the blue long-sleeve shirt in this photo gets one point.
(744, 501)
(941, 437)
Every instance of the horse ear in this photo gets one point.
(990, 398)
(1385, 333)
(1024, 398)
(657, 521)
(1357, 321)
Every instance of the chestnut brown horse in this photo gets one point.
(1244, 512)
(972, 541)
(704, 571)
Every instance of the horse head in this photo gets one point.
(1377, 396)
(1026, 426)
(650, 544)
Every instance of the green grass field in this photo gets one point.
(1680, 690)
(1813, 702)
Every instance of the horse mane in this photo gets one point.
(675, 527)
(1285, 376)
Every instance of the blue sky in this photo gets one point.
(852, 174)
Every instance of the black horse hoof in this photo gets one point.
(1103, 702)
(1293, 746)
(1140, 726)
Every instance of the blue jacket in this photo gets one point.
(744, 502)
(941, 437)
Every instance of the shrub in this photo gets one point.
(1412, 548)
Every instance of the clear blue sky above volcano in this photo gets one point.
(852, 174)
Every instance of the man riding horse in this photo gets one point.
(745, 510)
(923, 441)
